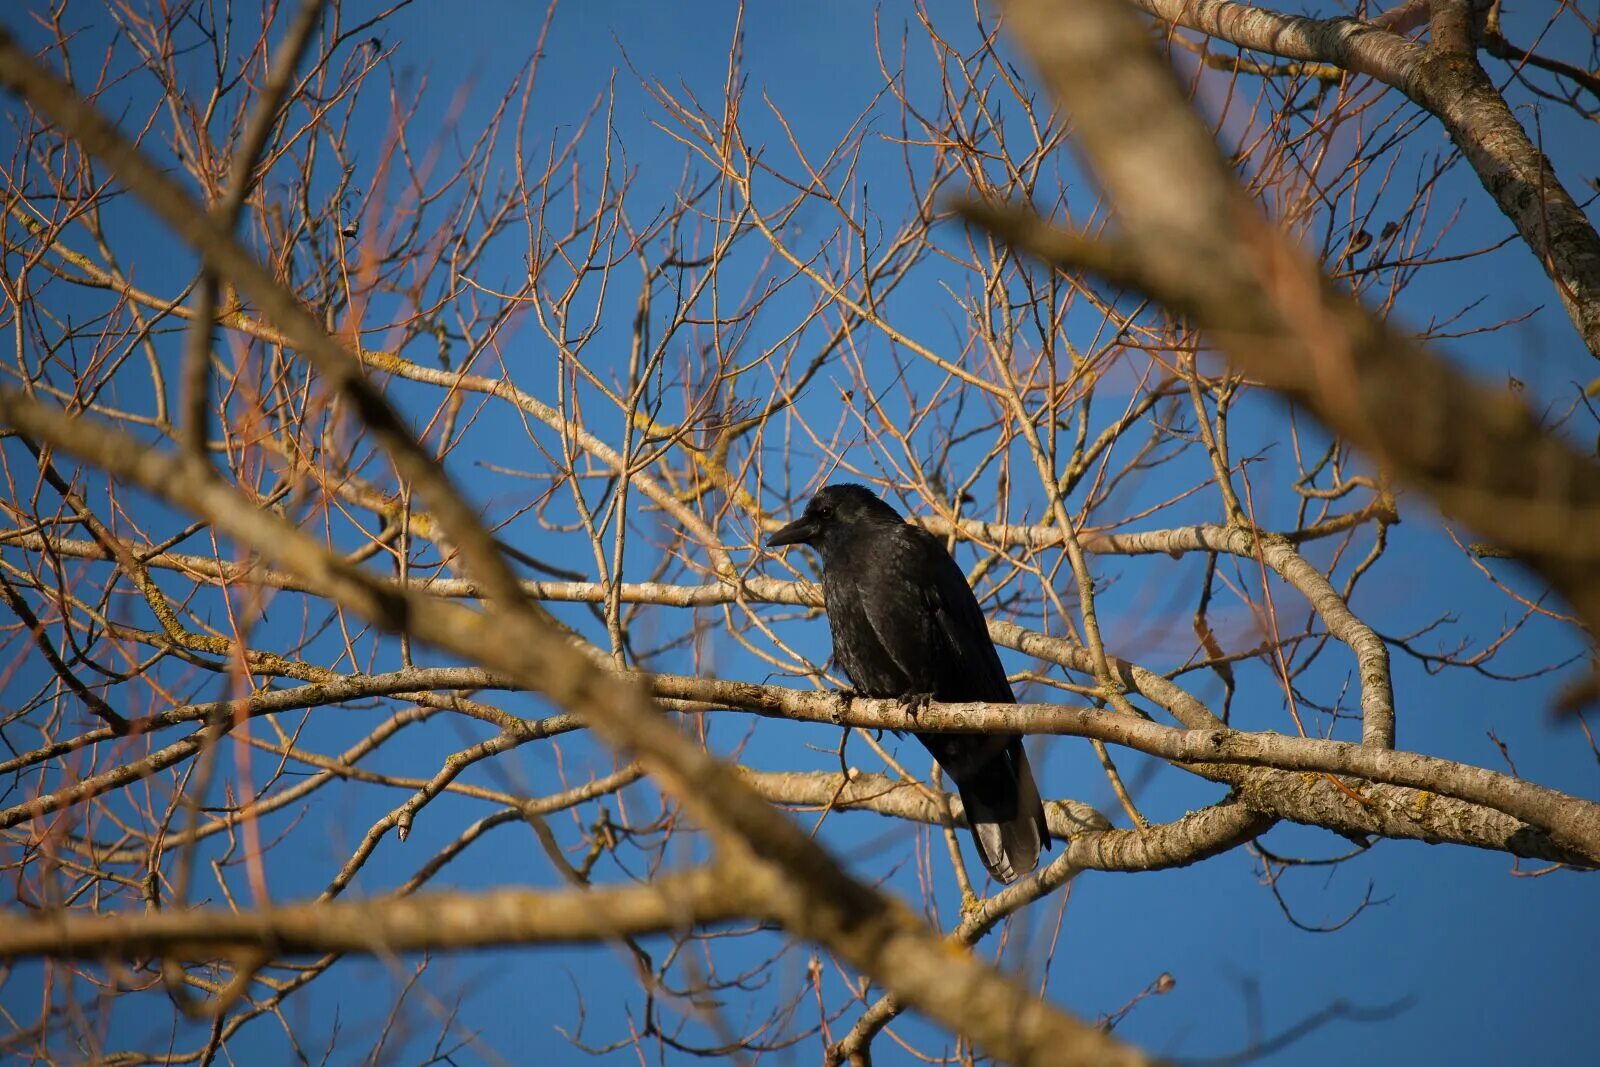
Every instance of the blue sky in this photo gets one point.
(1475, 964)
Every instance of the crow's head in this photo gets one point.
(834, 514)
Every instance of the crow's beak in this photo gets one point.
(798, 532)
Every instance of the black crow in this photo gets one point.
(906, 625)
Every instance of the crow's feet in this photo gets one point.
(913, 704)
(841, 704)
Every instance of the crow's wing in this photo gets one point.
(991, 771)
(970, 668)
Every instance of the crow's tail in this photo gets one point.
(1006, 815)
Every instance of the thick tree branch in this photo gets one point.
(1446, 79)
(1574, 823)
(1091, 843)
(1481, 454)
(431, 922)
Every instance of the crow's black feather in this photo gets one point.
(906, 624)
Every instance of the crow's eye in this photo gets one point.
(824, 511)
